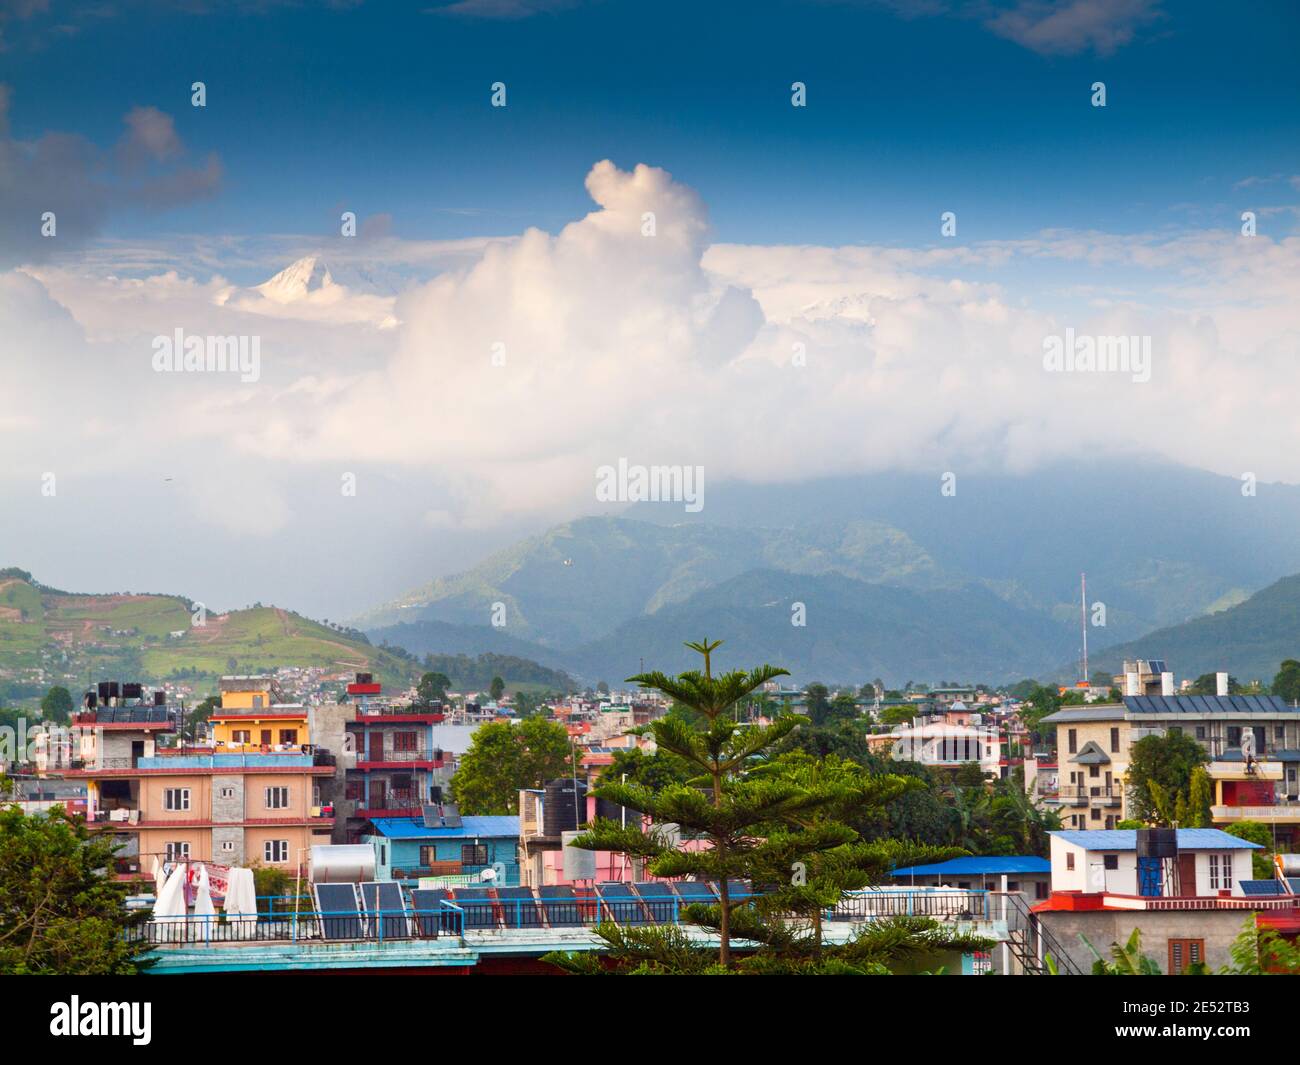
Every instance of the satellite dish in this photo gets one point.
(488, 875)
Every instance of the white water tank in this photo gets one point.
(1221, 683)
(347, 863)
(578, 864)
(1166, 684)
(1131, 686)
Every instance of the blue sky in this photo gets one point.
(383, 109)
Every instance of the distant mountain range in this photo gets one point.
(980, 585)
(1249, 640)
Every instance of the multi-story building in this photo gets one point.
(236, 804)
(1094, 744)
(399, 767)
(1264, 792)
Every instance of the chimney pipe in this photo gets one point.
(1221, 683)
(1131, 683)
(1166, 684)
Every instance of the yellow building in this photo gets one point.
(1094, 744)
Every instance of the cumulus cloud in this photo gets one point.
(505, 379)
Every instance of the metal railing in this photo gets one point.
(277, 921)
(968, 905)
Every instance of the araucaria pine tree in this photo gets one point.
(748, 817)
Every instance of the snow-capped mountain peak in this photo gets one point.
(308, 275)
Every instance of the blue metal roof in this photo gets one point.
(492, 826)
(980, 866)
(1125, 839)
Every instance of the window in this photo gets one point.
(1220, 872)
(176, 798)
(257, 702)
(1094, 771)
(474, 854)
(1234, 735)
(1096, 813)
(1074, 740)
(275, 850)
(241, 735)
(406, 741)
(289, 735)
(1040, 889)
(1185, 952)
(1200, 732)
(178, 852)
(1110, 861)
(1279, 733)
(228, 845)
(266, 737)
(1114, 740)
(1069, 859)
(277, 798)
(227, 793)
(428, 855)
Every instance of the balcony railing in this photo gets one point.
(1100, 794)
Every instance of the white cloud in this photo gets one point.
(660, 349)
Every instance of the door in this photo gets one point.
(1149, 877)
(376, 740)
(378, 798)
(1187, 874)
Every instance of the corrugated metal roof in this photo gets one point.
(496, 826)
(980, 866)
(1125, 839)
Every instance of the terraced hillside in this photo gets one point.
(50, 636)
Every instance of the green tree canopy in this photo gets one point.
(1287, 682)
(432, 689)
(504, 758)
(57, 705)
(59, 912)
(1160, 773)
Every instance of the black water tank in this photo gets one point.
(1157, 843)
(563, 809)
(611, 811)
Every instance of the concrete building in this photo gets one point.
(407, 848)
(1208, 863)
(396, 766)
(1094, 743)
(234, 805)
(1188, 906)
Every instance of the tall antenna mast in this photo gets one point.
(1083, 621)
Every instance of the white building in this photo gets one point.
(1208, 862)
(944, 745)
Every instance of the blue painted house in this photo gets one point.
(408, 847)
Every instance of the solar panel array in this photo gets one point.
(1258, 888)
(1208, 704)
(133, 715)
